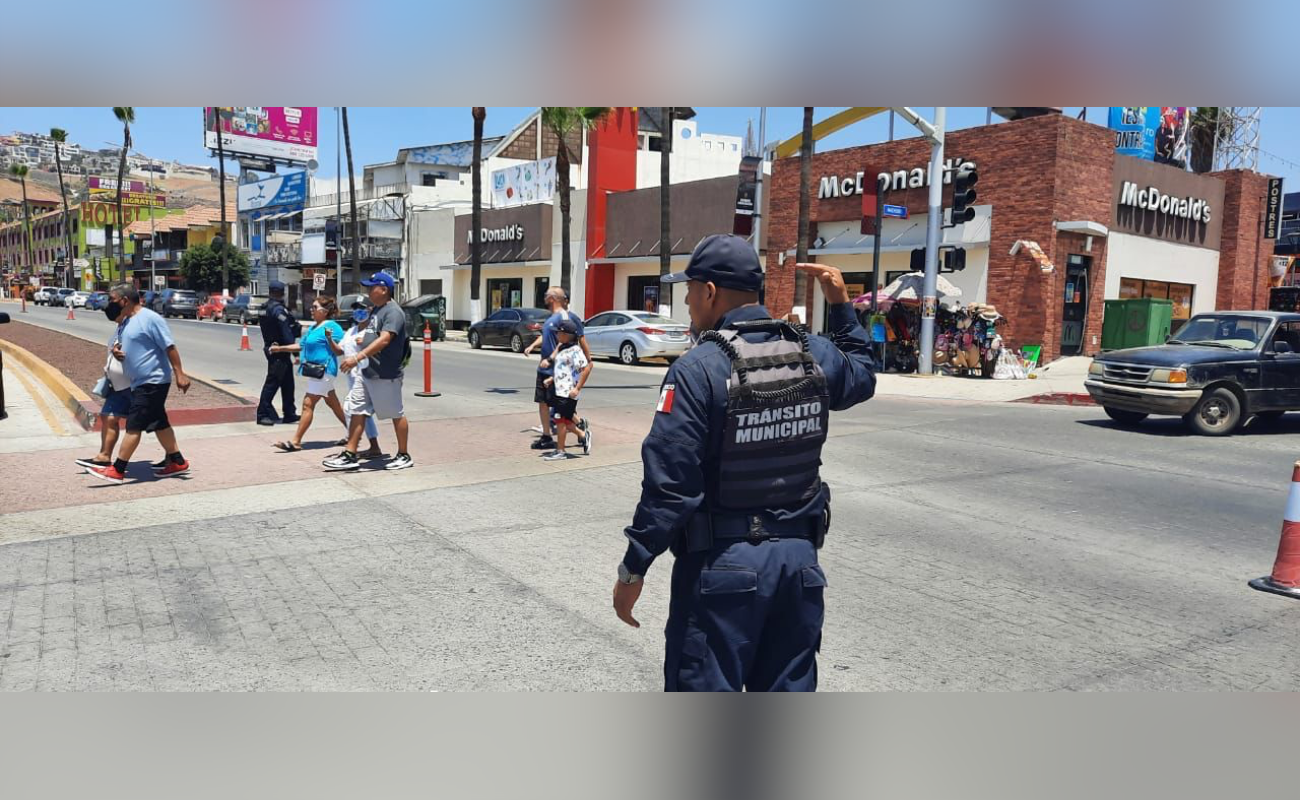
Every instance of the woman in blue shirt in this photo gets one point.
(318, 349)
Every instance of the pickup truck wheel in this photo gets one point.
(1217, 414)
(1124, 417)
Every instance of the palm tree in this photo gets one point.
(1204, 124)
(19, 171)
(805, 206)
(476, 216)
(60, 137)
(563, 120)
(352, 202)
(665, 190)
(126, 116)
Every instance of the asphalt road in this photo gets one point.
(974, 547)
(472, 383)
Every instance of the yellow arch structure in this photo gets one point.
(826, 127)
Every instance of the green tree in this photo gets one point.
(126, 116)
(563, 120)
(60, 137)
(201, 268)
(19, 171)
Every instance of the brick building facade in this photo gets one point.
(1051, 180)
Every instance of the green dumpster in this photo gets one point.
(1140, 322)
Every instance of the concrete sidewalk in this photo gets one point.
(37, 420)
(1064, 376)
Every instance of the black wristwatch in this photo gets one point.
(627, 577)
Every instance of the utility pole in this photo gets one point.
(758, 182)
(225, 235)
(934, 218)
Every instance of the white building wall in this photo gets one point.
(695, 156)
(1129, 256)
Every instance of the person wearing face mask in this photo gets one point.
(117, 397)
(731, 478)
(352, 343)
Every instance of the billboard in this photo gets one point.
(276, 192)
(1154, 133)
(530, 182)
(134, 193)
(282, 132)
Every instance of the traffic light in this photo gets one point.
(963, 194)
(954, 260)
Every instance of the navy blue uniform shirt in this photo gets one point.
(277, 325)
(681, 451)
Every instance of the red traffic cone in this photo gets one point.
(243, 340)
(428, 365)
(70, 314)
(1285, 579)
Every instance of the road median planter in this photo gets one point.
(69, 366)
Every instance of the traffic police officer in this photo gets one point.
(278, 327)
(731, 479)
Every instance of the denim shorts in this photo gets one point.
(117, 404)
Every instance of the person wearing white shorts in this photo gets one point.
(352, 341)
(319, 349)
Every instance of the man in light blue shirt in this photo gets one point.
(151, 360)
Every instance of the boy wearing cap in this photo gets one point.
(380, 392)
(571, 368)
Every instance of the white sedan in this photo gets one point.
(76, 299)
(630, 336)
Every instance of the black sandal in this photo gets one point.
(287, 447)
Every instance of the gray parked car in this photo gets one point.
(177, 303)
(245, 309)
(630, 336)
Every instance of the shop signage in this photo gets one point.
(1273, 208)
(1152, 199)
(106, 213)
(831, 186)
(746, 194)
(506, 233)
(134, 193)
(289, 189)
(285, 133)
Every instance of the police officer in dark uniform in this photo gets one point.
(278, 327)
(731, 478)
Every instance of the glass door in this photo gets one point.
(1074, 312)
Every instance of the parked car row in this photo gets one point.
(627, 336)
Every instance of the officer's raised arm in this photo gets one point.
(857, 381)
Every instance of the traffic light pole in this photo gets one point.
(934, 218)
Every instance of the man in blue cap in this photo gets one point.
(278, 327)
(731, 480)
(385, 349)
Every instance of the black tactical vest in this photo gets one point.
(777, 411)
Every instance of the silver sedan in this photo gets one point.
(630, 336)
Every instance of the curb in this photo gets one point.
(1059, 399)
(86, 410)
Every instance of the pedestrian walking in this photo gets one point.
(115, 390)
(278, 327)
(353, 340)
(570, 372)
(150, 360)
(557, 301)
(318, 351)
(731, 480)
(386, 348)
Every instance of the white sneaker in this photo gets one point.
(586, 444)
(399, 461)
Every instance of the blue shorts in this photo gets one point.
(117, 404)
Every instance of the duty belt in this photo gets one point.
(705, 528)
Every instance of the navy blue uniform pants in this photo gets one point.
(745, 616)
(279, 378)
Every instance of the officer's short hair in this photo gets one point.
(127, 292)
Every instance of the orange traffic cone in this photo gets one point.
(243, 339)
(70, 314)
(1285, 579)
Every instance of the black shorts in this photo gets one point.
(566, 408)
(148, 412)
(541, 393)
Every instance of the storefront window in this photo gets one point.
(1180, 293)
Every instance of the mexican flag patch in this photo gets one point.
(666, 398)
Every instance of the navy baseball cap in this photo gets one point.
(725, 260)
(567, 326)
(276, 286)
(380, 279)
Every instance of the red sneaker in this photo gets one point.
(109, 473)
(172, 468)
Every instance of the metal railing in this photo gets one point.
(343, 198)
(283, 253)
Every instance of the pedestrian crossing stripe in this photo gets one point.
(666, 398)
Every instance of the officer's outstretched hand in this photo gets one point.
(625, 597)
(831, 279)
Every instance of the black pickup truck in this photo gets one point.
(1220, 370)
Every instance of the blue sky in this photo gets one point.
(377, 133)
